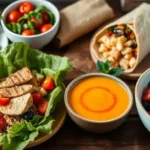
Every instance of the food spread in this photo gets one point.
(93, 99)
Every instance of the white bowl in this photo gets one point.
(35, 41)
(140, 86)
(92, 125)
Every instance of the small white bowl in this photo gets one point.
(140, 86)
(92, 125)
(35, 41)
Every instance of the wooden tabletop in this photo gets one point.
(132, 135)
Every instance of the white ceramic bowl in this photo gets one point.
(140, 86)
(36, 41)
(91, 125)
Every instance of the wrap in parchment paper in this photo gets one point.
(81, 18)
(138, 21)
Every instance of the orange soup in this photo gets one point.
(99, 98)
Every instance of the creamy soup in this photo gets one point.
(99, 98)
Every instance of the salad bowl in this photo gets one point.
(29, 132)
(141, 85)
(37, 41)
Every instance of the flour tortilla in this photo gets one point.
(139, 21)
(80, 18)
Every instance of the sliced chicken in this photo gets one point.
(20, 77)
(17, 106)
(34, 82)
(16, 91)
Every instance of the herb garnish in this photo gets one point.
(105, 67)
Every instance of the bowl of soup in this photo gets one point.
(98, 102)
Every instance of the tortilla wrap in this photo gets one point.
(80, 18)
(139, 22)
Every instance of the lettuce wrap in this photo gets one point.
(14, 57)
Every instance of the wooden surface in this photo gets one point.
(132, 135)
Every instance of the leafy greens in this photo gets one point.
(14, 57)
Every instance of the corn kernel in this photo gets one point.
(115, 54)
(122, 27)
(106, 54)
(111, 59)
(102, 48)
(126, 51)
(124, 63)
(136, 52)
(102, 39)
(128, 43)
(119, 46)
(128, 56)
(113, 41)
(132, 36)
(122, 39)
(132, 62)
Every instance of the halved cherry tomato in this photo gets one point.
(37, 98)
(45, 17)
(27, 32)
(110, 33)
(13, 16)
(146, 95)
(26, 7)
(45, 28)
(42, 107)
(4, 101)
(38, 24)
(48, 83)
(3, 123)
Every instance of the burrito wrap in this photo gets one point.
(81, 18)
(139, 21)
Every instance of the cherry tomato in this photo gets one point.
(45, 17)
(146, 95)
(42, 107)
(27, 32)
(3, 123)
(110, 33)
(3, 101)
(26, 7)
(37, 97)
(48, 84)
(38, 24)
(13, 16)
(45, 28)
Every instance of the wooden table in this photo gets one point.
(132, 135)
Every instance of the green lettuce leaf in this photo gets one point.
(17, 55)
(14, 57)
(19, 136)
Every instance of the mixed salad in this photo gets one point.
(29, 20)
(23, 94)
(30, 88)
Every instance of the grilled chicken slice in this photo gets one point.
(16, 91)
(20, 77)
(34, 82)
(17, 106)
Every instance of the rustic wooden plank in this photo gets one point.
(131, 133)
